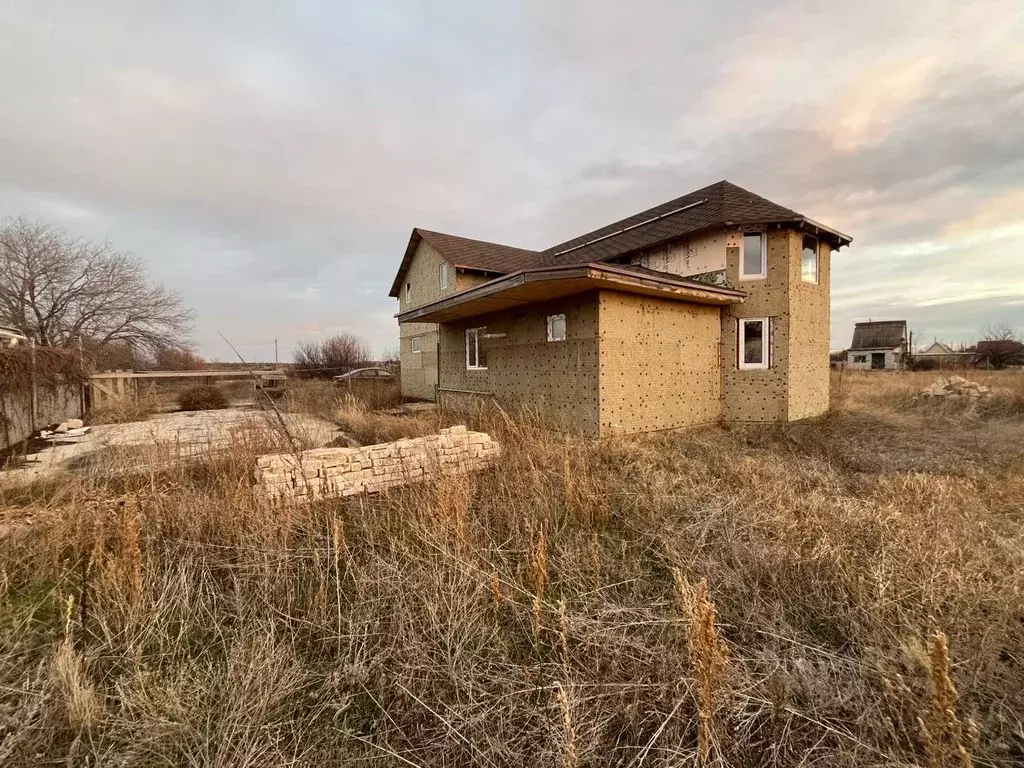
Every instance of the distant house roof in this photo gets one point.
(884, 334)
(465, 253)
(938, 349)
(722, 204)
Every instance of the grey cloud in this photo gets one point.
(268, 160)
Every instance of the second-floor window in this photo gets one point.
(444, 276)
(408, 292)
(476, 355)
(753, 260)
(416, 344)
(809, 261)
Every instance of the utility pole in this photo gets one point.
(275, 353)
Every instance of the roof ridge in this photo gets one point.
(474, 240)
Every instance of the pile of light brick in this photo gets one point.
(332, 472)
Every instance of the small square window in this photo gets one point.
(754, 349)
(416, 344)
(444, 276)
(753, 260)
(556, 327)
(476, 355)
(809, 262)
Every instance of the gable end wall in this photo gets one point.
(420, 369)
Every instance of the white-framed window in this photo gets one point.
(416, 343)
(754, 256)
(860, 358)
(444, 276)
(556, 327)
(809, 260)
(476, 355)
(408, 292)
(755, 343)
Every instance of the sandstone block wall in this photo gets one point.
(338, 472)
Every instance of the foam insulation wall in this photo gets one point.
(419, 369)
(796, 385)
(659, 365)
(635, 364)
(809, 320)
(558, 378)
(692, 256)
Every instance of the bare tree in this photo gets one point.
(1000, 346)
(331, 356)
(178, 359)
(391, 359)
(58, 289)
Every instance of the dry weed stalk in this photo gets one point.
(130, 551)
(453, 494)
(941, 729)
(539, 576)
(83, 705)
(709, 658)
(563, 633)
(496, 590)
(570, 756)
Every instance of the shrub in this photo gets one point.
(329, 357)
(202, 398)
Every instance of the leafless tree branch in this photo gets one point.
(58, 289)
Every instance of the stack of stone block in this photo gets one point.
(334, 472)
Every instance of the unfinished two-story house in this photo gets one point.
(713, 306)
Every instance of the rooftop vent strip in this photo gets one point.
(631, 226)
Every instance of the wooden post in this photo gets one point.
(33, 391)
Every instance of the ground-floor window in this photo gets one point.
(476, 355)
(754, 343)
(860, 358)
(556, 327)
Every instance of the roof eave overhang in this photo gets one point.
(535, 285)
(821, 230)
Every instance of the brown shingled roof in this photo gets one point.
(722, 204)
(884, 334)
(464, 253)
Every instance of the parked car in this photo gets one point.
(377, 374)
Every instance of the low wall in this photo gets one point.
(337, 472)
(54, 404)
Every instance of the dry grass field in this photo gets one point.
(847, 591)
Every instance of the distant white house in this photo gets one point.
(878, 346)
(942, 354)
(9, 337)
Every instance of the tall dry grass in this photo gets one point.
(842, 592)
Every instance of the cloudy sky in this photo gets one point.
(268, 159)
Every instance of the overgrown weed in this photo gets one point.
(750, 596)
